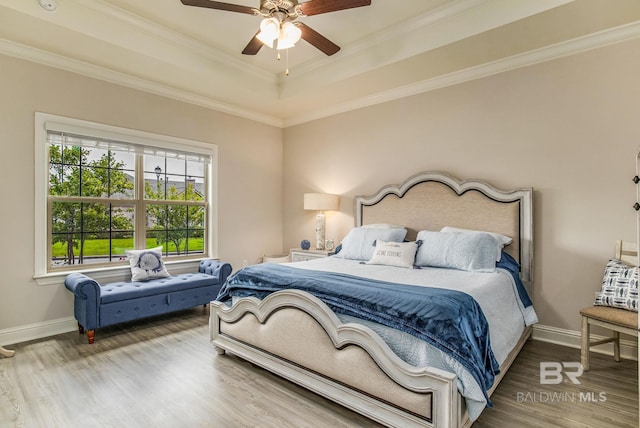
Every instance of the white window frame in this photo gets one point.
(44, 121)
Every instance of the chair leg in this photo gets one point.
(80, 329)
(616, 346)
(584, 344)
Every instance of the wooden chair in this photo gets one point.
(617, 320)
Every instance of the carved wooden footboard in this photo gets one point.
(295, 335)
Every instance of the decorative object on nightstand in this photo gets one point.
(320, 202)
(300, 255)
(305, 245)
(329, 245)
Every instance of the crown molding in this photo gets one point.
(446, 24)
(390, 33)
(568, 48)
(39, 56)
(559, 50)
(161, 32)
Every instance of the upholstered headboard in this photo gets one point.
(432, 200)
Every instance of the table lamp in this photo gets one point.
(320, 202)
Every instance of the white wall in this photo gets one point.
(568, 128)
(250, 174)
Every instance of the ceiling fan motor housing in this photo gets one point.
(271, 7)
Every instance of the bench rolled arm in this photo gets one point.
(216, 268)
(82, 286)
(87, 299)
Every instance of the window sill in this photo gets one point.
(116, 273)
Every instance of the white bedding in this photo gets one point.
(495, 293)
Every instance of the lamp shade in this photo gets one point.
(321, 201)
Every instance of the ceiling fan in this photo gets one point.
(278, 27)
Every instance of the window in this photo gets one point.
(111, 189)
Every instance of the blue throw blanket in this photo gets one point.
(510, 264)
(450, 320)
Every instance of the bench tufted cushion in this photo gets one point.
(125, 290)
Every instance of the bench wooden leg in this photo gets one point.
(80, 329)
(91, 336)
(584, 344)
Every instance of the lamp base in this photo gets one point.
(320, 222)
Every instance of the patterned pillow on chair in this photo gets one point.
(619, 286)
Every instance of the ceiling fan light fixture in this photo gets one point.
(269, 30)
(267, 41)
(283, 43)
(289, 36)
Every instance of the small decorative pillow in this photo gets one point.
(400, 254)
(619, 286)
(146, 264)
(475, 252)
(359, 243)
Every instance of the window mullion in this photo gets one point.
(141, 206)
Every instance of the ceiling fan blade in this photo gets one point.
(317, 39)
(253, 46)
(219, 5)
(316, 7)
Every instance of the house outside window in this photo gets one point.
(110, 190)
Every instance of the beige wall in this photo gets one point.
(568, 128)
(250, 173)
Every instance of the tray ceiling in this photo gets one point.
(388, 50)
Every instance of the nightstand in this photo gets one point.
(300, 255)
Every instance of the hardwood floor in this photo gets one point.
(163, 372)
(607, 395)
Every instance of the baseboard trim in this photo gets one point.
(571, 339)
(543, 333)
(39, 330)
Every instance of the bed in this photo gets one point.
(403, 373)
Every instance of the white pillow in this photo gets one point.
(400, 254)
(359, 243)
(146, 264)
(382, 226)
(475, 252)
(504, 240)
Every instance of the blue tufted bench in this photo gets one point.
(98, 305)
